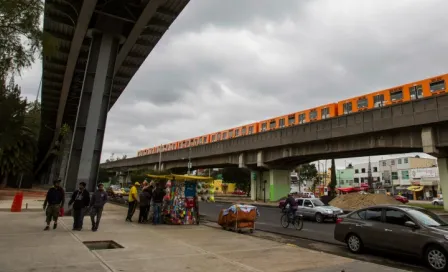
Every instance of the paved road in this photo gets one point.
(270, 221)
(322, 233)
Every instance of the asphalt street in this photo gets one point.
(314, 236)
(269, 220)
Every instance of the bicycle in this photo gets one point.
(296, 220)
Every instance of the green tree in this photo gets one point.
(333, 178)
(20, 34)
(307, 172)
(19, 129)
(240, 176)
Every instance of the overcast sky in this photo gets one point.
(227, 63)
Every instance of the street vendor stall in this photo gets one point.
(180, 206)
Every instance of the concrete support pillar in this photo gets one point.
(254, 181)
(429, 141)
(279, 184)
(91, 118)
(241, 161)
(66, 144)
(260, 159)
(443, 175)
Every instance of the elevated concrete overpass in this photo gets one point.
(417, 126)
(93, 49)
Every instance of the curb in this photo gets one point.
(208, 223)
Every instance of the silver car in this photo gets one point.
(396, 228)
(437, 201)
(317, 210)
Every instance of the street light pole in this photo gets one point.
(189, 160)
(160, 158)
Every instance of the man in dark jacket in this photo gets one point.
(292, 206)
(55, 200)
(80, 200)
(157, 197)
(145, 200)
(97, 202)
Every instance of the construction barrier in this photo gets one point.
(17, 202)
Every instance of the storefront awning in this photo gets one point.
(415, 188)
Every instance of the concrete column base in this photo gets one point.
(443, 174)
(279, 184)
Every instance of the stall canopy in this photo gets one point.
(415, 188)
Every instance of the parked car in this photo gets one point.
(437, 201)
(402, 199)
(396, 228)
(315, 209)
(114, 191)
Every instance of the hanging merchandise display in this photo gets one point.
(206, 191)
(180, 205)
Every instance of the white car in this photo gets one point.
(437, 201)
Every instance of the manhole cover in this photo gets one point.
(99, 245)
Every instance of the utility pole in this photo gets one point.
(160, 158)
(369, 176)
(189, 161)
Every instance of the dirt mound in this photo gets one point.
(356, 201)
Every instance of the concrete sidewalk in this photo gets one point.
(25, 247)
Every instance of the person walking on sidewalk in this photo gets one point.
(145, 200)
(132, 200)
(80, 200)
(55, 200)
(97, 202)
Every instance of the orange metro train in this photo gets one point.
(400, 94)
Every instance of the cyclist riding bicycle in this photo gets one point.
(292, 206)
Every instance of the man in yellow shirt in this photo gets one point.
(133, 201)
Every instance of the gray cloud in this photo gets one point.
(226, 63)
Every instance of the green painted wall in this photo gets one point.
(344, 177)
(279, 184)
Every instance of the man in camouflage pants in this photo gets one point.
(55, 200)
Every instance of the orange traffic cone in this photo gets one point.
(17, 202)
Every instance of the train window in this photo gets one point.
(218, 136)
(347, 107)
(396, 95)
(213, 138)
(302, 118)
(243, 131)
(363, 103)
(205, 140)
(272, 124)
(251, 130)
(200, 140)
(281, 122)
(437, 86)
(264, 127)
(291, 120)
(237, 132)
(313, 114)
(224, 135)
(325, 113)
(416, 92)
(378, 100)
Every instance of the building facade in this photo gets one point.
(400, 174)
(345, 177)
(361, 174)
